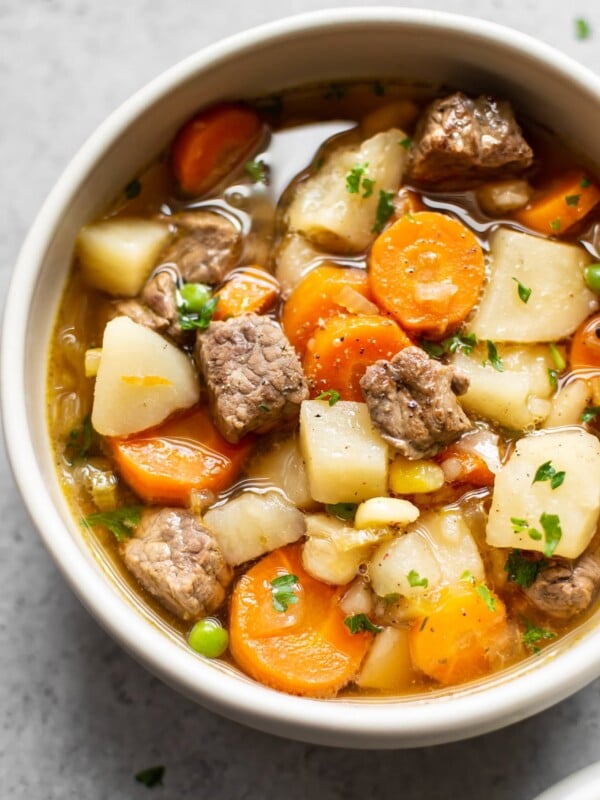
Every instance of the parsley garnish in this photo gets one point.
(356, 180)
(546, 472)
(459, 343)
(385, 209)
(360, 622)
(331, 395)
(557, 357)
(519, 525)
(391, 598)
(590, 413)
(121, 522)
(335, 91)
(534, 534)
(367, 186)
(257, 170)
(551, 525)
(199, 320)
(467, 576)
(405, 143)
(552, 375)
(263, 407)
(79, 441)
(487, 597)
(555, 224)
(521, 570)
(493, 357)
(585, 182)
(532, 635)
(343, 511)
(572, 199)
(582, 28)
(414, 579)
(133, 189)
(284, 591)
(524, 291)
(152, 776)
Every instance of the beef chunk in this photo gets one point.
(156, 307)
(253, 375)
(412, 402)
(178, 561)
(459, 139)
(207, 247)
(564, 589)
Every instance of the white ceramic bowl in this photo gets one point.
(328, 45)
(582, 785)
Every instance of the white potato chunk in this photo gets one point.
(379, 511)
(346, 459)
(569, 404)
(518, 397)
(407, 566)
(520, 505)
(453, 545)
(388, 665)
(283, 466)
(117, 255)
(327, 213)
(295, 257)
(252, 524)
(141, 380)
(553, 271)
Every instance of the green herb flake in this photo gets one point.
(331, 395)
(521, 570)
(263, 407)
(79, 441)
(552, 377)
(391, 598)
(493, 358)
(572, 199)
(487, 597)
(121, 522)
(283, 589)
(523, 291)
(414, 579)
(367, 186)
(379, 88)
(345, 511)
(150, 777)
(336, 91)
(467, 576)
(257, 170)
(557, 357)
(583, 29)
(518, 525)
(133, 189)
(590, 413)
(360, 622)
(546, 472)
(553, 532)
(533, 635)
(534, 534)
(199, 320)
(385, 209)
(585, 183)
(353, 178)
(459, 343)
(405, 143)
(555, 224)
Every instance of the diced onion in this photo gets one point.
(355, 302)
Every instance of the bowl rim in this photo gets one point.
(368, 724)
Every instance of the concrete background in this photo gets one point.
(78, 717)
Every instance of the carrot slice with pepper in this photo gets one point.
(341, 349)
(211, 144)
(562, 204)
(247, 290)
(294, 639)
(427, 271)
(164, 464)
(585, 347)
(319, 295)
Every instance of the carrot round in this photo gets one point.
(562, 204)
(318, 296)
(341, 349)
(248, 290)
(164, 464)
(456, 641)
(585, 347)
(305, 649)
(427, 271)
(211, 144)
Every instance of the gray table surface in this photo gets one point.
(78, 717)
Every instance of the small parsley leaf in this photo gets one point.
(585, 183)
(150, 777)
(391, 598)
(557, 357)
(552, 377)
(283, 589)
(533, 635)
(493, 357)
(79, 441)
(519, 525)
(572, 199)
(553, 532)
(345, 511)
(385, 209)
(555, 224)
(360, 622)
(459, 343)
(414, 579)
(257, 170)
(523, 291)
(487, 597)
(331, 395)
(367, 186)
(521, 570)
(353, 179)
(582, 28)
(590, 413)
(121, 522)
(405, 143)
(546, 472)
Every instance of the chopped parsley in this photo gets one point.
(524, 291)
(557, 357)
(553, 532)
(133, 189)
(534, 534)
(582, 28)
(493, 357)
(79, 441)
(121, 522)
(345, 511)
(572, 199)
(360, 622)
(590, 413)
(552, 377)
(336, 91)
(585, 182)
(390, 598)
(150, 777)
(198, 320)
(405, 143)
(385, 209)
(356, 181)
(555, 224)
(533, 635)
(487, 597)
(414, 579)
(459, 343)
(331, 395)
(519, 525)
(521, 570)
(546, 472)
(263, 407)
(283, 589)
(467, 576)
(257, 170)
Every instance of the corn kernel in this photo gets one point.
(415, 477)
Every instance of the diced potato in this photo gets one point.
(295, 257)
(381, 511)
(453, 545)
(358, 598)
(117, 255)
(519, 396)
(415, 477)
(346, 459)
(553, 271)
(408, 559)
(92, 361)
(388, 665)
(251, 525)
(283, 466)
(569, 404)
(327, 213)
(576, 501)
(141, 380)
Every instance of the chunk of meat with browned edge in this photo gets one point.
(566, 588)
(178, 560)
(207, 245)
(459, 139)
(412, 402)
(253, 375)
(156, 306)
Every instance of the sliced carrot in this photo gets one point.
(585, 347)
(304, 650)
(466, 467)
(164, 464)
(562, 204)
(344, 346)
(319, 295)
(247, 290)
(456, 641)
(427, 271)
(211, 144)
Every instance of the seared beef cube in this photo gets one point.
(460, 139)
(252, 373)
(178, 560)
(412, 402)
(563, 589)
(156, 307)
(207, 247)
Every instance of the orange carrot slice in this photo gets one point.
(562, 204)
(247, 290)
(585, 347)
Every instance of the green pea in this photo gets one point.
(592, 277)
(209, 638)
(195, 296)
